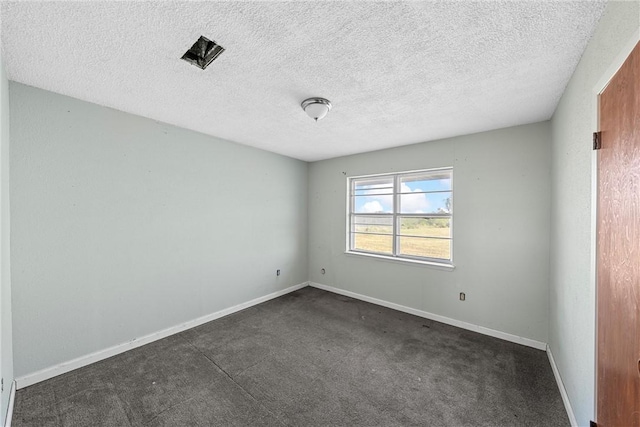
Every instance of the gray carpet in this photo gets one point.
(309, 358)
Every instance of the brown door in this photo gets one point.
(618, 249)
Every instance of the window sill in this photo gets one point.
(433, 264)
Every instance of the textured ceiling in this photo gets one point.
(396, 72)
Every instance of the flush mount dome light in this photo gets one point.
(316, 108)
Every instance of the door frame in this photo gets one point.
(599, 87)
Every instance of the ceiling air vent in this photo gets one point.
(203, 52)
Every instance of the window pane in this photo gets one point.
(373, 191)
(372, 204)
(412, 209)
(372, 224)
(375, 185)
(426, 181)
(425, 227)
(425, 202)
(425, 247)
(372, 243)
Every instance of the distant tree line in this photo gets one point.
(413, 223)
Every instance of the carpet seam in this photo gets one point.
(235, 382)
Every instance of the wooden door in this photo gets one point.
(618, 249)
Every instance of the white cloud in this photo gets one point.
(372, 207)
(413, 203)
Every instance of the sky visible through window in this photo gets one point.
(375, 196)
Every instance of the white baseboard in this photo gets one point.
(12, 399)
(563, 391)
(442, 319)
(81, 361)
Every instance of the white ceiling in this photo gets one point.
(397, 73)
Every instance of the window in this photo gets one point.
(404, 215)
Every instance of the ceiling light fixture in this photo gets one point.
(316, 108)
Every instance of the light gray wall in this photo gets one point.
(501, 222)
(572, 296)
(6, 342)
(123, 226)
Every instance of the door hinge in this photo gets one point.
(593, 424)
(597, 140)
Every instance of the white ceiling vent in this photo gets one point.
(203, 52)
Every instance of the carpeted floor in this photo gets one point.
(309, 358)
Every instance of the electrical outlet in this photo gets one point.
(462, 296)
(277, 272)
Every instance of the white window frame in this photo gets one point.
(395, 215)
